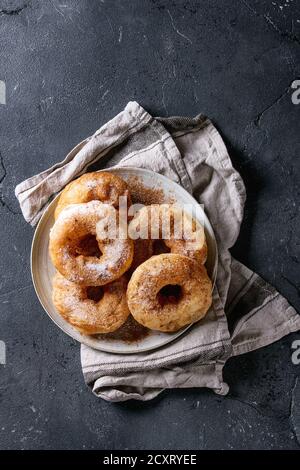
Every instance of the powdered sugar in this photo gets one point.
(77, 221)
(86, 209)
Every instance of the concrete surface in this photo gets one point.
(68, 67)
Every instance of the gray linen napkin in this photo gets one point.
(192, 153)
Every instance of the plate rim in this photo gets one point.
(175, 335)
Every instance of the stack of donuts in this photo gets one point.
(102, 279)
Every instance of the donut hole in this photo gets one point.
(159, 247)
(170, 294)
(94, 293)
(88, 246)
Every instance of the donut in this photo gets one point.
(91, 310)
(82, 251)
(169, 291)
(102, 186)
(185, 235)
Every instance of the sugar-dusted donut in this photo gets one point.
(102, 186)
(91, 310)
(78, 233)
(185, 236)
(169, 291)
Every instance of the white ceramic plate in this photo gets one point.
(42, 269)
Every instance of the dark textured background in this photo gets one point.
(69, 66)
